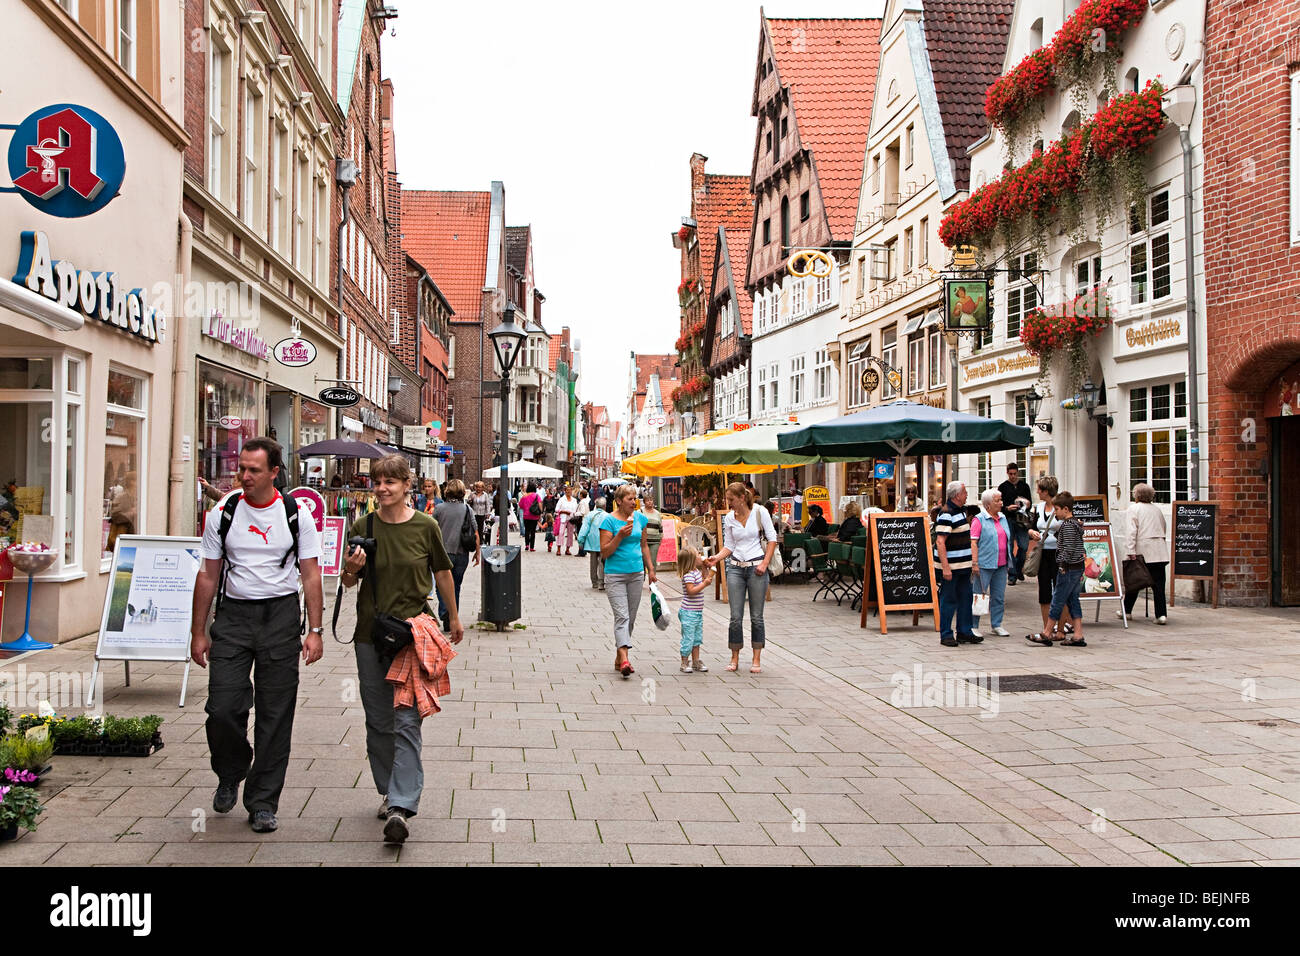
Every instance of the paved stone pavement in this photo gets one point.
(1181, 748)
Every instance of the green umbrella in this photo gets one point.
(902, 428)
(751, 446)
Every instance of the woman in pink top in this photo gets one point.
(530, 506)
(990, 537)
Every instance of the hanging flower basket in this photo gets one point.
(1087, 42)
(684, 233)
(1067, 328)
(1100, 158)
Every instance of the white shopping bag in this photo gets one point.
(659, 609)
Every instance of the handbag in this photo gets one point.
(468, 538)
(776, 566)
(979, 605)
(389, 634)
(1136, 574)
(1034, 560)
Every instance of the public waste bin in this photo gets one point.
(502, 584)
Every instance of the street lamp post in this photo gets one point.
(506, 340)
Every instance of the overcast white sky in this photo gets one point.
(588, 112)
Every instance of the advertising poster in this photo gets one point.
(331, 562)
(820, 496)
(147, 605)
(668, 544)
(1100, 579)
(672, 495)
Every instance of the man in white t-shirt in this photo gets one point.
(258, 622)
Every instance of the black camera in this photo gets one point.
(365, 544)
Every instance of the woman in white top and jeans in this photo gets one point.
(749, 540)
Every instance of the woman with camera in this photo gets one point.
(400, 553)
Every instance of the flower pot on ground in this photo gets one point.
(19, 808)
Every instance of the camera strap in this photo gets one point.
(338, 596)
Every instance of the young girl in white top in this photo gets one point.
(748, 539)
(695, 578)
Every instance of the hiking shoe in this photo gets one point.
(263, 821)
(223, 801)
(383, 809)
(948, 642)
(970, 639)
(396, 829)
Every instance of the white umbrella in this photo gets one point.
(524, 469)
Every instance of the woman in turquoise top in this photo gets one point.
(627, 562)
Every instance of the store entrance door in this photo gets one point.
(1286, 517)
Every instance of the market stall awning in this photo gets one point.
(752, 446)
(903, 428)
(670, 461)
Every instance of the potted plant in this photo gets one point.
(131, 736)
(19, 807)
(5, 717)
(28, 760)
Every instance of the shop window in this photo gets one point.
(1158, 448)
(41, 419)
(229, 415)
(124, 477)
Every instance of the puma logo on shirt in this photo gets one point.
(256, 530)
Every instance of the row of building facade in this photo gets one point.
(870, 133)
(261, 249)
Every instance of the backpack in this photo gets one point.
(228, 518)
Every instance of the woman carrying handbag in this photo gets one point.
(1147, 541)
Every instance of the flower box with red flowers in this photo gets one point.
(1050, 329)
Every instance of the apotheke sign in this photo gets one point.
(96, 295)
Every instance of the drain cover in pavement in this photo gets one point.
(1020, 683)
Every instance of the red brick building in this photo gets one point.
(1251, 442)
(460, 237)
(716, 201)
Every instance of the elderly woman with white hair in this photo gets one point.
(991, 540)
(1148, 538)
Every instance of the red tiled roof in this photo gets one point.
(830, 67)
(728, 203)
(557, 346)
(738, 255)
(646, 365)
(448, 233)
(517, 242)
(967, 43)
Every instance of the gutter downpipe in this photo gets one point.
(181, 356)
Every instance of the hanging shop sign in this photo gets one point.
(294, 352)
(870, 380)
(339, 396)
(966, 304)
(96, 295)
(66, 160)
(415, 437)
(217, 326)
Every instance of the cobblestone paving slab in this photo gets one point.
(851, 748)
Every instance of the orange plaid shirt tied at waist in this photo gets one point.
(419, 672)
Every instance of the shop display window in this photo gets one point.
(125, 480)
(228, 416)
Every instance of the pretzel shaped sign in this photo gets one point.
(810, 262)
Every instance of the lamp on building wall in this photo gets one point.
(1179, 104)
(1033, 403)
(688, 424)
(1094, 396)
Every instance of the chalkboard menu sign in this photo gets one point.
(1092, 509)
(672, 495)
(900, 569)
(1195, 543)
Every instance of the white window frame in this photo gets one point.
(915, 364)
(63, 404)
(220, 65)
(254, 143)
(1021, 294)
(821, 292)
(773, 379)
(798, 394)
(923, 242)
(938, 352)
(128, 24)
(854, 367)
(1144, 293)
(278, 212)
(888, 355)
(761, 378)
(141, 415)
(822, 375)
(798, 298)
(983, 461)
(301, 213)
(1173, 424)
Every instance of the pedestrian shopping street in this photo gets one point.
(1180, 748)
